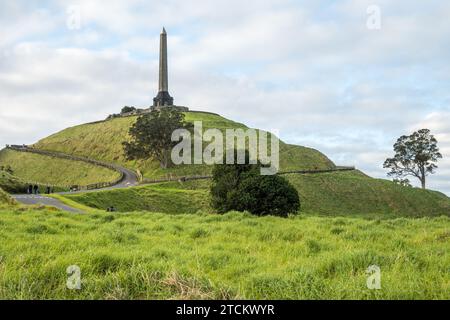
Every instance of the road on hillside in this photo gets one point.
(47, 201)
(129, 180)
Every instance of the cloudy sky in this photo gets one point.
(326, 74)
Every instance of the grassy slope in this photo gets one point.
(5, 199)
(160, 256)
(348, 193)
(11, 183)
(44, 169)
(103, 141)
(339, 193)
(149, 198)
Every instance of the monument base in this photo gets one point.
(178, 108)
(163, 99)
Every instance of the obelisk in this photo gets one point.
(163, 98)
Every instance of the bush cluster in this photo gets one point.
(243, 188)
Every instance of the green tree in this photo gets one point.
(151, 135)
(241, 187)
(415, 155)
(267, 195)
(127, 109)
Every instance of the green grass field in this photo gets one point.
(161, 256)
(156, 198)
(49, 170)
(103, 141)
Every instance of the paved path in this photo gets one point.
(37, 199)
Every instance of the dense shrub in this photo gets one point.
(267, 195)
(243, 188)
(127, 109)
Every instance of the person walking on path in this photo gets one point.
(36, 189)
(30, 189)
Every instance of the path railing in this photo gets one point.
(338, 168)
(206, 177)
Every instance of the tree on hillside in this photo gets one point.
(127, 109)
(415, 155)
(241, 187)
(151, 135)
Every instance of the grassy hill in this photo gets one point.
(103, 141)
(337, 193)
(161, 256)
(49, 170)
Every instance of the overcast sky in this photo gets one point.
(326, 74)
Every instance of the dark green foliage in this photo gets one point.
(151, 135)
(267, 195)
(127, 109)
(243, 188)
(415, 155)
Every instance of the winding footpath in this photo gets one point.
(31, 199)
(129, 179)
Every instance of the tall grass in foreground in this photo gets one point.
(161, 256)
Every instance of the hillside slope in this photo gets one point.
(103, 141)
(154, 198)
(11, 183)
(354, 193)
(331, 194)
(5, 199)
(50, 170)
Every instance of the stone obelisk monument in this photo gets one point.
(163, 98)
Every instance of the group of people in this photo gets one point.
(34, 189)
